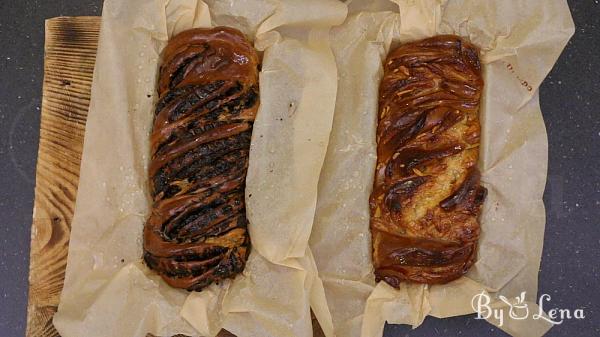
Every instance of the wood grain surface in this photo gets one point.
(70, 54)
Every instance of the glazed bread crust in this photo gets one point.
(427, 196)
(208, 98)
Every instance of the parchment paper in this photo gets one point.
(108, 291)
(520, 41)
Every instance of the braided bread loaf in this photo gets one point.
(426, 196)
(208, 98)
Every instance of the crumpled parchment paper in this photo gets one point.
(520, 42)
(108, 291)
(310, 171)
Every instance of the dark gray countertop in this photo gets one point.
(570, 99)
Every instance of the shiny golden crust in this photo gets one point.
(427, 196)
(208, 98)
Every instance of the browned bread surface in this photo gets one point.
(426, 195)
(208, 98)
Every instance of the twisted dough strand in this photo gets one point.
(208, 98)
(426, 196)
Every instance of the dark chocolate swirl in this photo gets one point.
(208, 98)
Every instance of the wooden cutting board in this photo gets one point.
(70, 55)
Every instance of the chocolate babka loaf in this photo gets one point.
(208, 98)
(427, 197)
